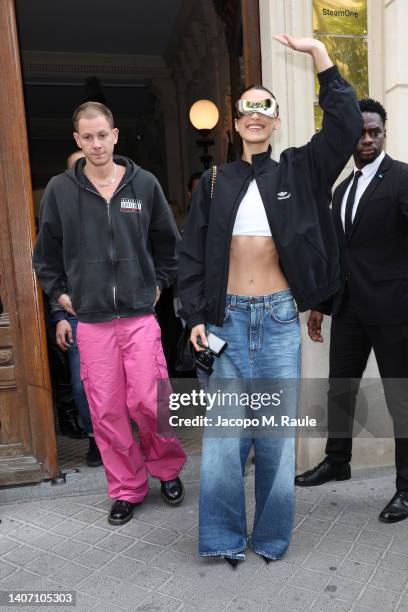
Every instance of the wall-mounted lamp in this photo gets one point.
(204, 117)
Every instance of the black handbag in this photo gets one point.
(185, 360)
(185, 352)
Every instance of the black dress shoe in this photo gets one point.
(68, 421)
(324, 472)
(233, 562)
(266, 559)
(172, 491)
(93, 456)
(397, 509)
(121, 512)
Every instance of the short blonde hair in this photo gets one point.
(92, 109)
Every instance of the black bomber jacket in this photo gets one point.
(296, 193)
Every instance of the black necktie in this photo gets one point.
(350, 203)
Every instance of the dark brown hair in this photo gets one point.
(258, 87)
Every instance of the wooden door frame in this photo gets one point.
(34, 422)
(251, 42)
(242, 31)
(19, 286)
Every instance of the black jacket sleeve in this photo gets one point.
(57, 312)
(164, 237)
(403, 191)
(47, 258)
(324, 307)
(333, 145)
(191, 256)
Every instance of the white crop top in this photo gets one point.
(251, 217)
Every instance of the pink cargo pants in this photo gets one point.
(121, 361)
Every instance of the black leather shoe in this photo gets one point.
(121, 512)
(93, 456)
(233, 562)
(266, 559)
(172, 491)
(324, 472)
(68, 421)
(397, 509)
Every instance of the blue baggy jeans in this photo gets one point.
(263, 336)
(78, 390)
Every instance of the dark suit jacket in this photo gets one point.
(374, 259)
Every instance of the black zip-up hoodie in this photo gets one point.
(108, 255)
(296, 194)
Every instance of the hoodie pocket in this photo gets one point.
(133, 292)
(96, 288)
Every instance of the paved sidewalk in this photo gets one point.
(341, 558)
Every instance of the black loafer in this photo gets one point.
(324, 472)
(172, 491)
(121, 512)
(397, 509)
(93, 456)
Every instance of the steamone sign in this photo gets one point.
(340, 17)
(334, 13)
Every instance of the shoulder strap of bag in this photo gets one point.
(213, 179)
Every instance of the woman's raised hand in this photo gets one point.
(312, 46)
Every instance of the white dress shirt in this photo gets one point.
(365, 179)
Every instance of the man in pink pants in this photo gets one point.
(105, 250)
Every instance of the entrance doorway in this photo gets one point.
(148, 63)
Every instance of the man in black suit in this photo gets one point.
(370, 210)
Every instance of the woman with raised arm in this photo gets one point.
(258, 247)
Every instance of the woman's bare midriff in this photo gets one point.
(254, 267)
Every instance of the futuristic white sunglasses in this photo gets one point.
(268, 107)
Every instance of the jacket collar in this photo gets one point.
(260, 161)
(368, 193)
